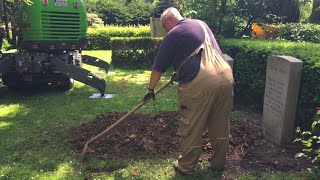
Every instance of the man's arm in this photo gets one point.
(154, 79)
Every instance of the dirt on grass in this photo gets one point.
(146, 136)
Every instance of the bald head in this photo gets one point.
(172, 15)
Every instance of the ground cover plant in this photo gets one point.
(37, 132)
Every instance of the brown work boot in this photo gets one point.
(176, 168)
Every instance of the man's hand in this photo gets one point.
(150, 94)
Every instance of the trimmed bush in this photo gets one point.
(99, 38)
(250, 71)
(249, 67)
(134, 53)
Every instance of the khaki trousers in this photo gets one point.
(204, 107)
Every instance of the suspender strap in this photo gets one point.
(196, 51)
(189, 57)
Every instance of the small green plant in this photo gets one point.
(310, 141)
(5, 45)
(240, 116)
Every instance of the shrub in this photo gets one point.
(232, 26)
(99, 37)
(249, 67)
(300, 32)
(310, 140)
(94, 20)
(250, 71)
(134, 53)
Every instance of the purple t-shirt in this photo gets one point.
(178, 44)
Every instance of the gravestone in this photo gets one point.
(280, 98)
(228, 59)
(156, 28)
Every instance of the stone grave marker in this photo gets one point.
(156, 28)
(280, 98)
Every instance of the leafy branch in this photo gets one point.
(310, 140)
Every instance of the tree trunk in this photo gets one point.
(214, 10)
(223, 7)
(5, 16)
(284, 7)
(222, 13)
(315, 14)
(289, 9)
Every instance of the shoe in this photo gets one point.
(176, 168)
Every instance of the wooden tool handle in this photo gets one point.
(125, 116)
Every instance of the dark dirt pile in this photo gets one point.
(147, 136)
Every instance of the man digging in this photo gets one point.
(205, 88)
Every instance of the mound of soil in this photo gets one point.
(147, 136)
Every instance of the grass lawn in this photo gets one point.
(34, 130)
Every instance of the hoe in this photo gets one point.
(83, 153)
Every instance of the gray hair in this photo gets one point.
(170, 12)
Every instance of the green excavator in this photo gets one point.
(49, 38)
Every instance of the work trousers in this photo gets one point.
(205, 103)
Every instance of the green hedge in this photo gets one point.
(250, 70)
(100, 37)
(249, 67)
(134, 53)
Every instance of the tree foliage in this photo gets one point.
(122, 13)
(9, 17)
(229, 16)
(139, 13)
(200, 9)
(91, 6)
(162, 5)
(111, 12)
